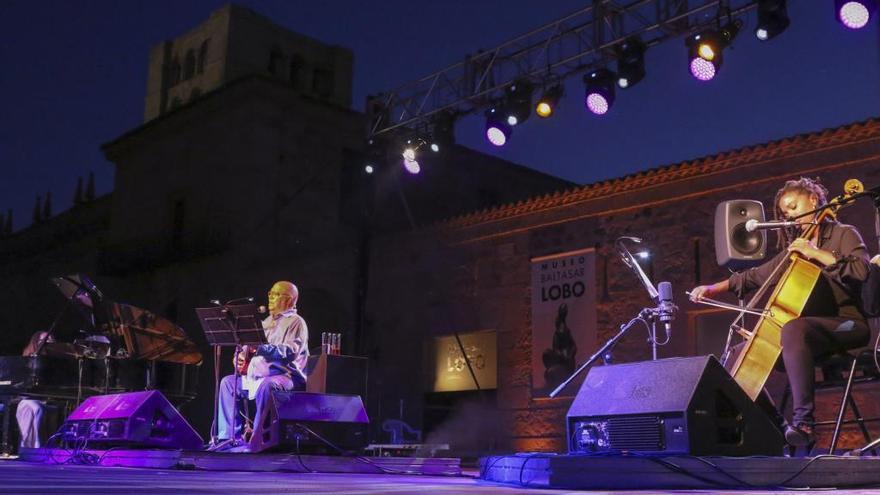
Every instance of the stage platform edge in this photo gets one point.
(220, 461)
(632, 472)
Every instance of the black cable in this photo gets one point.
(804, 468)
(363, 459)
(299, 458)
(529, 457)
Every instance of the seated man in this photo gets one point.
(288, 337)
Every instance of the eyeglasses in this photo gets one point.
(277, 294)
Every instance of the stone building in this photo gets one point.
(257, 178)
(237, 42)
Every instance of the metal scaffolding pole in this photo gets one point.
(577, 43)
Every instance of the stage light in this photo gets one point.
(442, 132)
(706, 50)
(548, 101)
(498, 131)
(643, 254)
(854, 14)
(373, 155)
(772, 19)
(702, 69)
(599, 91)
(518, 102)
(409, 159)
(630, 62)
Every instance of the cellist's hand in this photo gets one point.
(876, 260)
(804, 247)
(698, 293)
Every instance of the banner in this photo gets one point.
(563, 317)
(451, 372)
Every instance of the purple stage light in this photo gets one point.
(853, 14)
(496, 135)
(409, 161)
(412, 166)
(597, 103)
(702, 69)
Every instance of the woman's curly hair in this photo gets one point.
(802, 185)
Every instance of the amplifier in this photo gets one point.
(136, 418)
(669, 406)
(298, 421)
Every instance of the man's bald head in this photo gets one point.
(282, 296)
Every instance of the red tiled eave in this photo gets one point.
(650, 178)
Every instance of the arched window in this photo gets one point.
(174, 72)
(203, 57)
(297, 69)
(189, 65)
(322, 82)
(274, 61)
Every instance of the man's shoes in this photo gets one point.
(800, 435)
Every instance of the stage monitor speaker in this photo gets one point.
(669, 406)
(302, 421)
(142, 419)
(734, 246)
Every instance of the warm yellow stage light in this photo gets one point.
(706, 52)
(544, 109)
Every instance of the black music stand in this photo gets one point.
(230, 326)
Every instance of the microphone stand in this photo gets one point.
(601, 352)
(645, 314)
(630, 261)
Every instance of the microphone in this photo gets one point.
(249, 299)
(753, 225)
(637, 240)
(665, 307)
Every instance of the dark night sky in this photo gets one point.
(74, 73)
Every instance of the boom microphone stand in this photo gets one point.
(644, 315)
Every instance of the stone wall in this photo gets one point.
(472, 273)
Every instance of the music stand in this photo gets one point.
(230, 326)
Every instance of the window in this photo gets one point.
(322, 83)
(297, 66)
(189, 65)
(274, 61)
(203, 57)
(174, 72)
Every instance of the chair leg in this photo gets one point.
(859, 419)
(843, 402)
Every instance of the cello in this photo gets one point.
(799, 277)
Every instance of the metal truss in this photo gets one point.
(576, 43)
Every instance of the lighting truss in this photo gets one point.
(579, 42)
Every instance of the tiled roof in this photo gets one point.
(774, 149)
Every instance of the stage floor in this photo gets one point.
(29, 478)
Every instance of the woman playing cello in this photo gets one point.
(833, 319)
